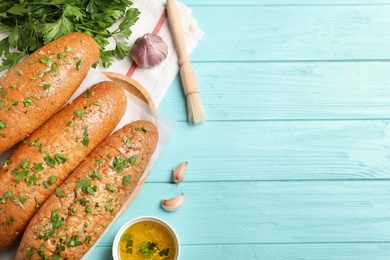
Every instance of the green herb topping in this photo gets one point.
(22, 199)
(85, 140)
(52, 179)
(46, 85)
(25, 164)
(3, 93)
(98, 161)
(46, 60)
(147, 249)
(83, 201)
(110, 187)
(133, 159)
(69, 49)
(143, 129)
(164, 252)
(30, 253)
(85, 185)
(88, 209)
(94, 174)
(59, 193)
(37, 168)
(42, 253)
(73, 241)
(32, 180)
(28, 101)
(119, 164)
(79, 112)
(127, 180)
(129, 243)
(56, 221)
(8, 195)
(35, 143)
(37, 204)
(60, 158)
(46, 184)
(80, 63)
(11, 220)
(87, 94)
(21, 175)
(50, 161)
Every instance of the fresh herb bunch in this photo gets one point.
(34, 23)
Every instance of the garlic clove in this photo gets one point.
(179, 172)
(174, 203)
(149, 50)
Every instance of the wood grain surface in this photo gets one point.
(294, 160)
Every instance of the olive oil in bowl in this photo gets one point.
(146, 238)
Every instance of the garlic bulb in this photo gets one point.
(179, 172)
(149, 50)
(174, 203)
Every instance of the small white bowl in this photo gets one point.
(115, 245)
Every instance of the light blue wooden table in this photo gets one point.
(294, 160)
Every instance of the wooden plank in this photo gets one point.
(302, 150)
(287, 91)
(342, 251)
(269, 212)
(286, 33)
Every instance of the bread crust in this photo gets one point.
(71, 134)
(37, 87)
(84, 214)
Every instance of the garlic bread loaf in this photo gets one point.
(73, 219)
(37, 87)
(44, 160)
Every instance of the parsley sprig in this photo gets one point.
(32, 24)
(147, 249)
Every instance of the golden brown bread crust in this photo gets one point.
(37, 87)
(72, 134)
(93, 194)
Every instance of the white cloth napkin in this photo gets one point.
(153, 18)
